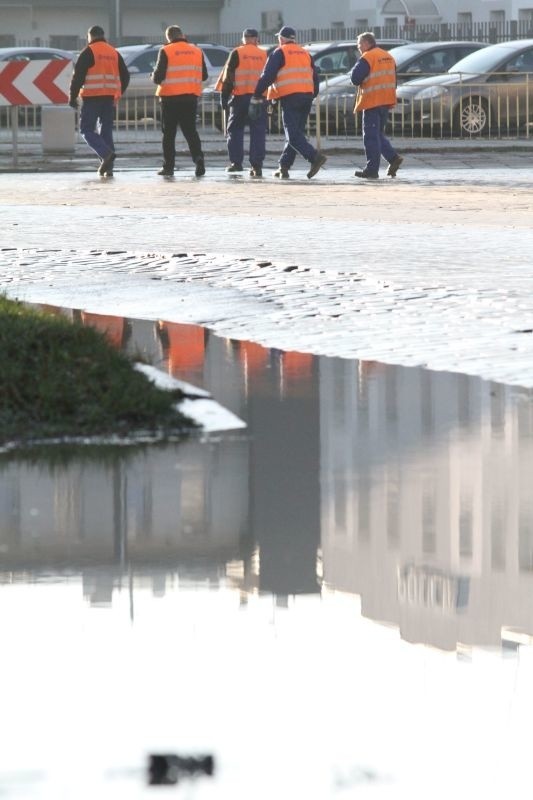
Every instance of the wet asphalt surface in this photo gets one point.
(431, 269)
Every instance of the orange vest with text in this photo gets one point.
(379, 88)
(296, 75)
(251, 62)
(103, 79)
(184, 70)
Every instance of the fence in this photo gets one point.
(497, 108)
(489, 32)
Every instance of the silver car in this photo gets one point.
(337, 95)
(488, 91)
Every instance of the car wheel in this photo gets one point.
(471, 117)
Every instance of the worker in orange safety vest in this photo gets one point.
(100, 77)
(179, 72)
(375, 76)
(236, 85)
(292, 76)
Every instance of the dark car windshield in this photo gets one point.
(485, 60)
(404, 53)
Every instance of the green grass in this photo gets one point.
(59, 379)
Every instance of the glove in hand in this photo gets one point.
(255, 109)
(73, 103)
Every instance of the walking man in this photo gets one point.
(375, 76)
(100, 77)
(292, 76)
(179, 72)
(236, 84)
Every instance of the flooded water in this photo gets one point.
(335, 603)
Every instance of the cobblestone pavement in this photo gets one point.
(431, 269)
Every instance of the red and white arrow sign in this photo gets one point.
(34, 83)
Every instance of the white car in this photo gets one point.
(35, 54)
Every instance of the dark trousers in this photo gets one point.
(179, 112)
(237, 122)
(375, 142)
(295, 109)
(96, 124)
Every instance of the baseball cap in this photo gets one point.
(287, 32)
(250, 32)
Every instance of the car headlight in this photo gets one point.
(430, 93)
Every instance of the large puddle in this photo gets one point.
(336, 601)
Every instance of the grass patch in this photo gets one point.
(60, 379)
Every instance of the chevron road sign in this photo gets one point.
(26, 83)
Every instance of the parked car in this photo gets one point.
(141, 60)
(337, 96)
(35, 54)
(336, 58)
(488, 90)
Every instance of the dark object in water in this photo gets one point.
(167, 769)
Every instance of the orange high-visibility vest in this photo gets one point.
(184, 70)
(296, 75)
(103, 78)
(379, 88)
(251, 62)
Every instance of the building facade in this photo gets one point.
(64, 23)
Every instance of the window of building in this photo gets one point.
(361, 24)
(497, 16)
(64, 41)
(525, 15)
(464, 18)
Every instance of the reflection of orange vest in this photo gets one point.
(254, 357)
(186, 346)
(102, 79)
(296, 75)
(379, 88)
(111, 327)
(184, 70)
(297, 365)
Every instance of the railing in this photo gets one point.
(499, 108)
(490, 32)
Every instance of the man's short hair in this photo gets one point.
(173, 32)
(367, 37)
(96, 32)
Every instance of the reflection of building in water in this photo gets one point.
(427, 511)
(277, 394)
(147, 510)
(283, 412)
(229, 501)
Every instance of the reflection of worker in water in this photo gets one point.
(183, 347)
(100, 77)
(115, 329)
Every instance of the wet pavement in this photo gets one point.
(347, 585)
(441, 255)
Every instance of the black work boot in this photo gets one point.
(200, 167)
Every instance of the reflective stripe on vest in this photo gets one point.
(379, 88)
(184, 70)
(296, 75)
(103, 78)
